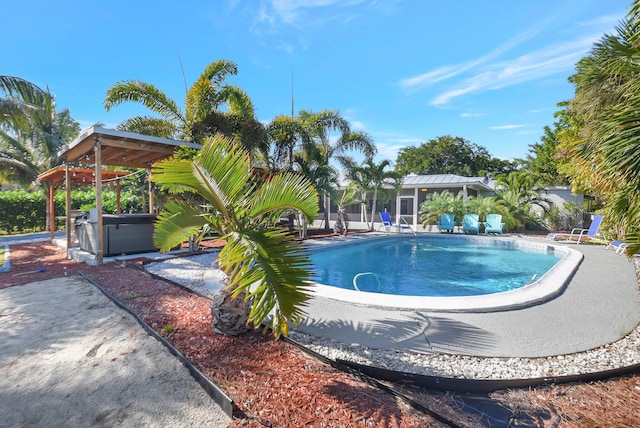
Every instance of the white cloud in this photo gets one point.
(504, 127)
(485, 73)
(551, 60)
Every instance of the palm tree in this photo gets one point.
(372, 177)
(319, 127)
(204, 112)
(441, 203)
(287, 134)
(518, 197)
(349, 197)
(264, 266)
(32, 132)
(603, 147)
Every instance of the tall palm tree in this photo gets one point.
(605, 146)
(263, 264)
(319, 127)
(32, 132)
(211, 106)
(375, 178)
(287, 134)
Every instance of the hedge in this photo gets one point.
(23, 211)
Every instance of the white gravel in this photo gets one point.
(622, 353)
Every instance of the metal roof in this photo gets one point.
(413, 180)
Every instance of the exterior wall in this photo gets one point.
(559, 196)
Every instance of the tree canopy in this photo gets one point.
(450, 155)
(602, 141)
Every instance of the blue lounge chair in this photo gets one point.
(618, 246)
(471, 223)
(388, 223)
(578, 232)
(493, 224)
(446, 223)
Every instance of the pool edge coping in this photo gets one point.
(548, 286)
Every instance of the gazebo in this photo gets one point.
(100, 147)
(78, 177)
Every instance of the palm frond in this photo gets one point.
(226, 165)
(275, 276)
(177, 223)
(146, 94)
(287, 190)
(150, 126)
(217, 71)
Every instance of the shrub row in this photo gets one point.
(22, 211)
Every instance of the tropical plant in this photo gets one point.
(211, 106)
(603, 144)
(437, 204)
(543, 161)
(375, 178)
(349, 197)
(287, 134)
(325, 149)
(32, 132)
(264, 266)
(519, 200)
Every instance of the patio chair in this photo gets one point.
(578, 232)
(471, 223)
(446, 223)
(493, 224)
(388, 223)
(618, 246)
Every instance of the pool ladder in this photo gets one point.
(355, 279)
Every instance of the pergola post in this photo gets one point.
(67, 220)
(98, 156)
(151, 201)
(118, 208)
(52, 214)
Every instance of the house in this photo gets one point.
(414, 190)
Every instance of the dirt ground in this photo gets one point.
(275, 384)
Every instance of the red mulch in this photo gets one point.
(275, 384)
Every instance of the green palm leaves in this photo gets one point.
(262, 263)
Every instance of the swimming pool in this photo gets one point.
(443, 272)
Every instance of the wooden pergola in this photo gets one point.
(100, 146)
(78, 177)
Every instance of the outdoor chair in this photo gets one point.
(618, 246)
(446, 223)
(579, 233)
(471, 223)
(388, 223)
(493, 224)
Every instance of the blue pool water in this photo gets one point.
(431, 266)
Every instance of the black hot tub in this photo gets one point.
(121, 233)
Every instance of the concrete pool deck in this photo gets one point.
(600, 305)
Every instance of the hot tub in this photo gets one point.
(122, 233)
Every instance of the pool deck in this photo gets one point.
(600, 305)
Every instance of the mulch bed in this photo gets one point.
(275, 384)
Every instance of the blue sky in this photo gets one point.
(491, 72)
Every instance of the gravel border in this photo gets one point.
(622, 353)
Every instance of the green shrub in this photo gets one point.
(23, 211)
